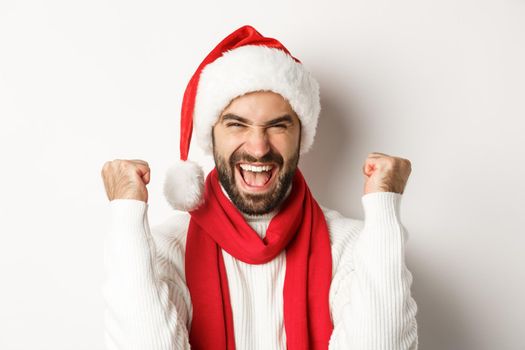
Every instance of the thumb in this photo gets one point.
(368, 168)
(144, 172)
(146, 177)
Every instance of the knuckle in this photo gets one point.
(124, 163)
(114, 164)
(405, 162)
(106, 167)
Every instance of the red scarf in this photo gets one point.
(299, 227)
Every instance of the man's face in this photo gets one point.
(256, 150)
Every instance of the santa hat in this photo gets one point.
(243, 62)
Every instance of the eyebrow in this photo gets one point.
(284, 118)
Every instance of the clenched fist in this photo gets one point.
(384, 173)
(126, 179)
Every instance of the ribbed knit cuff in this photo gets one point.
(128, 252)
(127, 214)
(382, 208)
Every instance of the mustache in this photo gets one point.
(270, 157)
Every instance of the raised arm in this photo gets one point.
(146, 302)
(371, 302)
(144, 307)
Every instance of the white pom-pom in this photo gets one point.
(184, 185)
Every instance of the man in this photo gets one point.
(255, 262)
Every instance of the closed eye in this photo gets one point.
(279, 126)
(234, 125)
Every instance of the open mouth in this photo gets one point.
(258, 176)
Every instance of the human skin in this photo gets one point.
(384, 173)
(127, 178)
(257, 129)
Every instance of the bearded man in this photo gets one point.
(250, 260)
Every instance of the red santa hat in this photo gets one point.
(243, 62)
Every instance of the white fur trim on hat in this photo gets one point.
(252, 68)
(184, 185)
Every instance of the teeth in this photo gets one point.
(256, 169)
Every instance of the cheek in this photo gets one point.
(287, 145)
(230, 146)
(225, 144)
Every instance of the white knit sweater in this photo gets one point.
(148, 306)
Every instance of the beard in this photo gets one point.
(256, 203)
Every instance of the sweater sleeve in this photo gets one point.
(144, 309)
(372, 305)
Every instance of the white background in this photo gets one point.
(440, 83)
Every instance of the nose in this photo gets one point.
(258, 143)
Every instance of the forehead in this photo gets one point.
(260, 106)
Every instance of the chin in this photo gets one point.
(256, 186)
